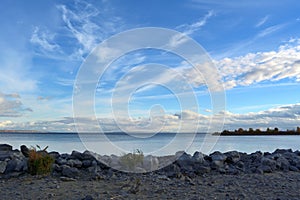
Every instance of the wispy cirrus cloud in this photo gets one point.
(189, 29)
(65, 82)
(88, 25)
(262, 21)
(244, 44)
(233, 5)
(44, 40)
(83, 27)
(269, 30)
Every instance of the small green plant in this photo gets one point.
(39, 161)
(131, 160)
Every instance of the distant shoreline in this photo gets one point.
(258, 132)
(44, 132)
(33, 132)
(239, 132)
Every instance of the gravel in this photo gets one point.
(278, 185)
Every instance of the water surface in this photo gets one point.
(66, 142)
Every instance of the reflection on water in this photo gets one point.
(65, 143)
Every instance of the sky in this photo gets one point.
(253, 49)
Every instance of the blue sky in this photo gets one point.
(255, 45)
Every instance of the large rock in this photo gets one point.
(217, 160)
(172, 171)
(181, 155)
(77, 155)
(70, 172)
(102, 161)
(21, 165)
(4, 155)
(54, 154)
(253, 160)
(255, 156)
(25, 150)
(293, 168)
(217, 164)
(291, 157)
(201, 165)
(74, 163)
(268, 165)
(282, 151)
(185, 162)
(150, 163)
(283, 164)
(88, 155)
(5, 147)
(86, 163)
(3, 165)
(115, 162)
(201, 169)
(198, 157)
(240, 165)
(297, 152)
(296, 164)
(16, 154)
(11, 166)
(94, 168)
(232, 170)
(57, 167)
(16, 165)
(232, 156)
(61, 161)
(65, 156)
(218, 156)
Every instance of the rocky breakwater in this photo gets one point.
(89, 165)
(12, 162)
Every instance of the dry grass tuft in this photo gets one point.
(39, 162)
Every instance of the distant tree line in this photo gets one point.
(268, 131)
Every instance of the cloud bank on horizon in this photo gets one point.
(254, 45)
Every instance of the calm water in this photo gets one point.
(65, 143)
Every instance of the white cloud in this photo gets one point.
(189, 29)
(84, 27)
(44, 40)
(105, 54)
(262, 21)
(190, 115)
(88, 25)
(283, 117)
(65, 82)
(262, 66)
(11, 106)
(270, 30)
(5, 124)
(208, 110)
(185, 121)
